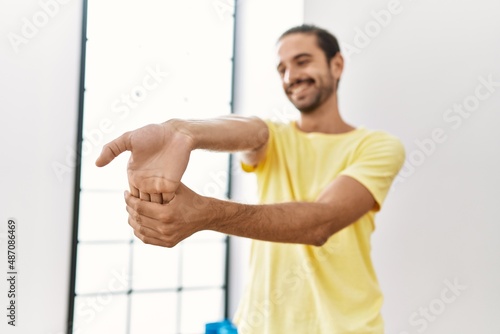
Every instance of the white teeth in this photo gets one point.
(298, 89)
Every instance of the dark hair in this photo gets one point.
(326, 41)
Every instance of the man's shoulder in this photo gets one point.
(280, 128)
(280, 124)
(381, 142)
(360, 137)
(377, 135)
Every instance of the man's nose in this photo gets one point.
(290, 76)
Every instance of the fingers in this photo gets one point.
(169, 223)
(145, 196)
(143, 208)
(145, 234)
(154, 185)
(134, 192)
(113, 149)
(145, 225)
(157, 198)
(153, 241)
(149, 230)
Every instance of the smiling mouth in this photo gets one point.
(299, 86)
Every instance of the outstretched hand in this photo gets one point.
(159, 157)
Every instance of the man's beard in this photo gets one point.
(319, 98)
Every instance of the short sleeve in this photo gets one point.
(376, 163)
(270, 146)
(247, 168)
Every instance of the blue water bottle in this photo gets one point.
(222, 327)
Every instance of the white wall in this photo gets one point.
(440, 222)
(38, 106)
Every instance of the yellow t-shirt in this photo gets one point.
(331, 289)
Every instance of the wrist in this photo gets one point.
(214, 213)
(181, 128)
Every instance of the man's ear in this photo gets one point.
(337, 65)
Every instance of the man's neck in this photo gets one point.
(325, 119)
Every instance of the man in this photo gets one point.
(320, 180)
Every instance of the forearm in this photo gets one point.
(297, 222)
(227, 133)
(341, 203)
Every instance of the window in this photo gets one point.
(145, 62)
